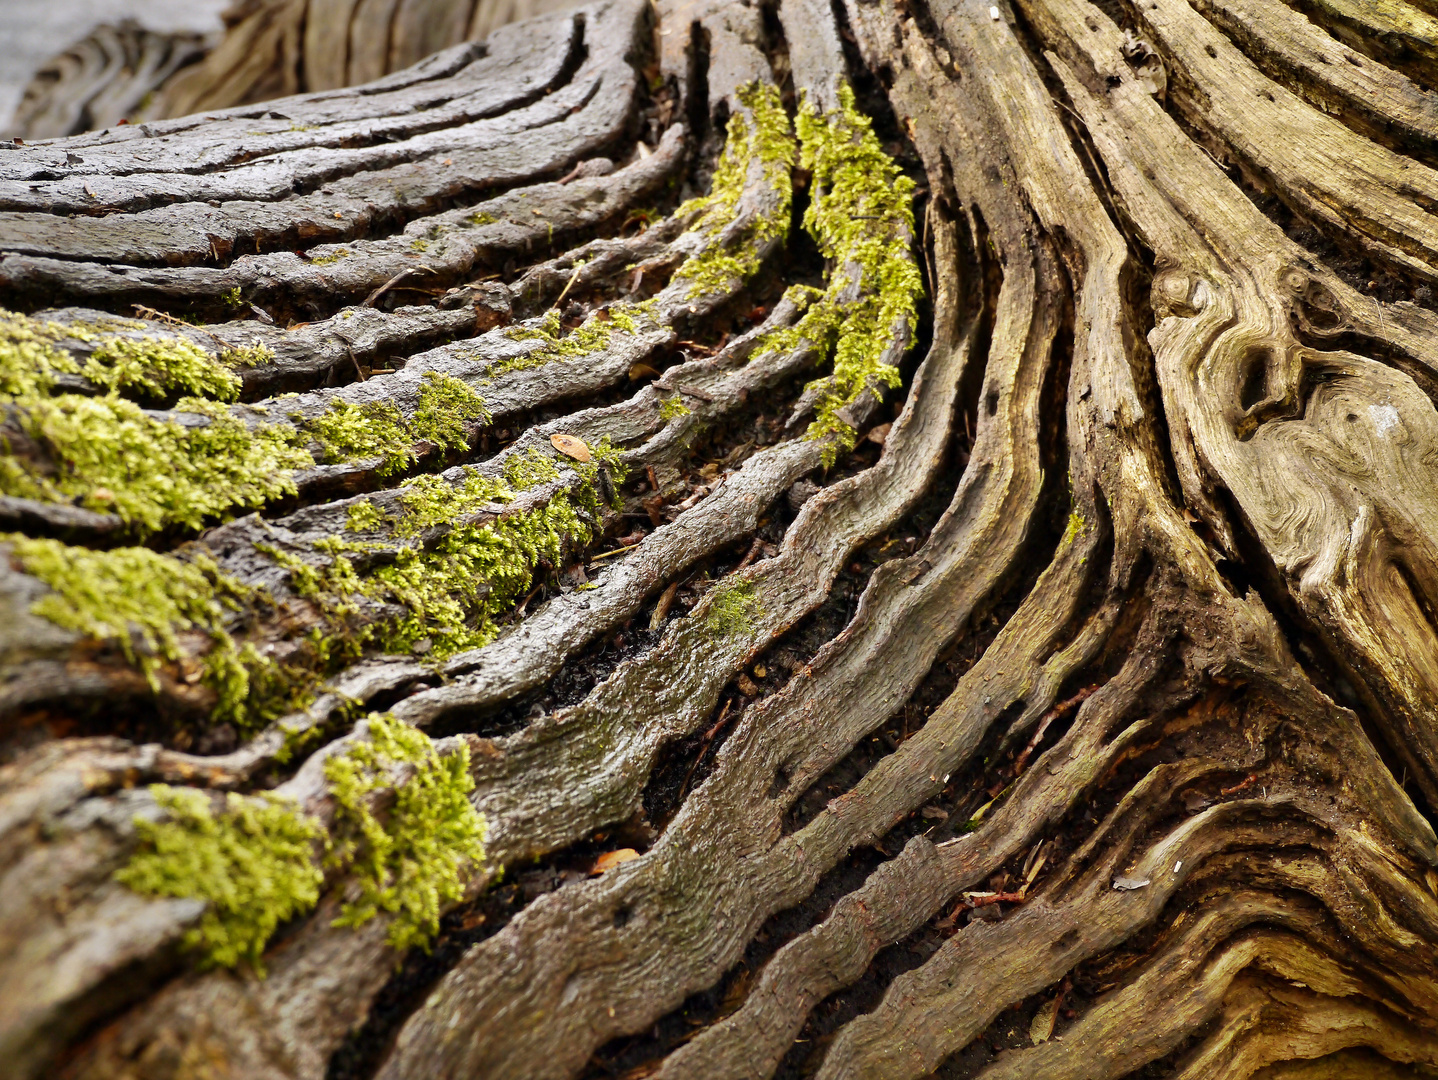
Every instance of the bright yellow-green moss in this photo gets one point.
(733, 609)
(333, 257)
(412, 862)
(255, 354)
(232, 297)
(364, 517)
(253, 865)
(29, 360)
(1076, 526)
(109, 455)
(672, 408)
(349, 432)
(449, 595)
(770, 143)
(592, 337)
(482, 218)
(143, 601)
(861, 215)
(159, 369)
(135, 597)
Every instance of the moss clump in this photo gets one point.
(364, 517)
(672, 408)
(592, 337)
(411, 863)
(861, 215)
(330, 258)
(107, 454)
(232, 298)
(252, 864)
(733, 609)
(449, 595)
(482, 218)
(143, 601)
(769, 143)
(348, 432)
(255, 354)
(158, 369)
(445, 405)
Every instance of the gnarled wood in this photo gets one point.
(1067, 711)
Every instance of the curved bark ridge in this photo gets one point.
(487, 616)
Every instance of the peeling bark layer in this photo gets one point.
(1049, 695)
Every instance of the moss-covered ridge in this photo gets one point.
(763, 151)
(415, 593)
(144, 602)
(202, 462)
(258, 862)
(449, 592)
(861, 215)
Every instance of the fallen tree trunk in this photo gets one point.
(954, 597)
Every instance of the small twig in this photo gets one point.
(704, 749)
(754, 549)
(616, 551)
(705, 349)
(170, 320)
(353, 359)
(661, 609)
(572, 279)
(1049, 717)
(369, 301)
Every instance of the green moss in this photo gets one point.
(420, 244)
(672, 408)
(333, 257)
(108, 455)
(450, 595)
(348, 432)
(412, 862)
(1076, 526)
(29, 360)
(144, 601)
(232, 297)
(861, 216)
(531, 469)
(482, 218)
(252, 864)
(445, 406)
(159, 369)
(255, 354)
(592, 337)
(769, 143)
(364, 517)
(733, 609)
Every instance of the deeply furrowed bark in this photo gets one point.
(1160, 467)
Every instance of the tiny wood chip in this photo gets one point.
(610, 859)
(571, 446)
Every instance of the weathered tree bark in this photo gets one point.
(127, 74)
(1043, 685)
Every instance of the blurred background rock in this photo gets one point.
(68, 66)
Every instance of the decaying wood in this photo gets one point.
(1079, 721)
(268, 49)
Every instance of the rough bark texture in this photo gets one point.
(127, 74)
(1052, 695)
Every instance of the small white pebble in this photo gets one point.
(994, 14)
(1178, 866)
